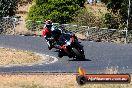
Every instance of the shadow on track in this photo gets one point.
(80, 60)
(75, 59)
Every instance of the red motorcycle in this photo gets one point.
(70, 46)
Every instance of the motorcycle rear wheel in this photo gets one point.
(78, 55)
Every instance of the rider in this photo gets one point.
(48, 34)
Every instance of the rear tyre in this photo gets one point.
(79, 56)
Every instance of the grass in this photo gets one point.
(17, 57)
(50, 81)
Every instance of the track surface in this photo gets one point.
(99, 56)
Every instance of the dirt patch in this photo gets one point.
(80, 36)
(50, 81)
(17, 57)
(98, 9)
(22, 12)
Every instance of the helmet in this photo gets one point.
(49, 23)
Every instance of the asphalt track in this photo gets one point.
(99, 56)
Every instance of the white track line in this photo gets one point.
(43, 57)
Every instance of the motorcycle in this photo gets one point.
(70, 46)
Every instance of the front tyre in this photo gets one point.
(60, 54)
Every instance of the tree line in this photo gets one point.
(64, 11)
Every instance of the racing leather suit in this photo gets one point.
(48, 35)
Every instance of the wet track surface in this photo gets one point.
(99, 56)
